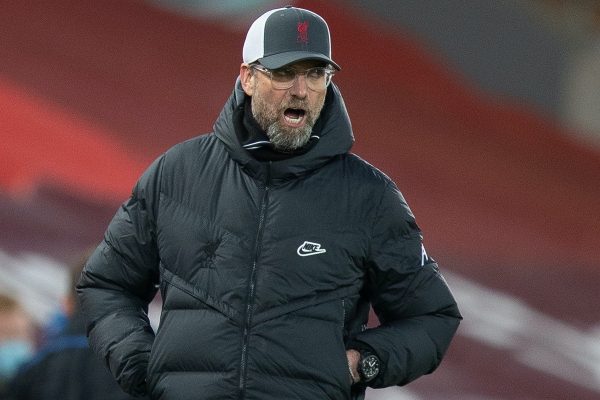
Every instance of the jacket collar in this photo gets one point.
(336, 138)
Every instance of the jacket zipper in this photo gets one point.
(252, 287)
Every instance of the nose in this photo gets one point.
(299, 89)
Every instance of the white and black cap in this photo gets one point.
(286, 35)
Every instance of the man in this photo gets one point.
(65, 368)
(269, 241)
(17, 338)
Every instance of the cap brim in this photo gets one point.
(282, 59)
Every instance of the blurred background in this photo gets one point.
(486, 114)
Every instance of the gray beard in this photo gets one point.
(288, 140)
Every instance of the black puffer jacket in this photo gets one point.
(261, 266)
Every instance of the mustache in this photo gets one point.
(295, 104)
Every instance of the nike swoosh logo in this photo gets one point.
(310, 249)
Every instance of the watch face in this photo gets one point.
(369, 367)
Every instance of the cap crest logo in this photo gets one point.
(302, 32)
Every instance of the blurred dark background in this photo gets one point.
(486, 113)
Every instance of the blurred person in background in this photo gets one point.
(17, 338)
(65, 368)
(582, 83)
(269, 241)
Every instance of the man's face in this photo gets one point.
(287, 116)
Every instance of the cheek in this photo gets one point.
(316, 104)
(264, 109)
(273, 99)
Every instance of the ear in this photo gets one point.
(247, 79)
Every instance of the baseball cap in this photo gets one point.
(286, 35)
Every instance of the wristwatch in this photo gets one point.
(368, 367)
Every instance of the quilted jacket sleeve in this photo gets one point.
(118, 282)
(417, 313)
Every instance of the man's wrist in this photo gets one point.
(363, 364)
(353, 357)
(369, 366)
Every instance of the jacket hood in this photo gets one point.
(336, 138)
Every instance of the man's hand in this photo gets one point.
(353, 359)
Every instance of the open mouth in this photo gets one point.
(294, 116)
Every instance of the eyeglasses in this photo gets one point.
(317, 78)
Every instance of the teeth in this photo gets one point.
(293, 120)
